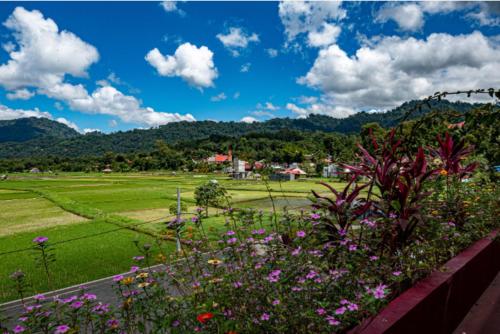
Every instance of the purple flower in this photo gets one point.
(276, 302)
(259, 231)
(373, 258)
(342, 232)
(40, 240)
(194, 219)
(232, 240)
(301, 234)
(267, 239)
(230, 232)
(39, 297)
(315, 216)
(113, 323)
(451, 224)
(176, 323)
(77, 304)
(368, 223)
(353, 247)
(18, 329)
(264, 317)
(237, 284)
(296, 251)
(62, 329)
(89, 296)
(134, 269)
(352, 307)
(138, 258)
(396, 273)
(332, 321)
(340, 310)
(274, 276)
(379, 291)
(320, 311)
(117, 278)
(393, 215)
(311, 274)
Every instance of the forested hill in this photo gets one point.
(32, 137)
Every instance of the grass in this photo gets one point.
(74, 205)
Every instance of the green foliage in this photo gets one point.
(173, 208)
(211, 194)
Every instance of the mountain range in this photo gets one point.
(37, 137)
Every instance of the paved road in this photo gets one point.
(484, 316)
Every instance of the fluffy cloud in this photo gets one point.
(273, 53)
(324, 107)
(218, 97)
(245, 67)
(327, 35)
(44, 55)
(236, 40)
(7, 113)
(393, 70)
(300, 17)
(68, 123)
(20, 94)
(411, 16)
(267, 106)
(248, 119)
(171, 7)
(110, 101)
(194, 65)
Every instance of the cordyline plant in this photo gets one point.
(346, 208)
(398, 180)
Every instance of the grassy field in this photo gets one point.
(94, 219)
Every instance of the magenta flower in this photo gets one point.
(340, 310)
(274, 276)
(237, 284)
(134, 269)
(332, 321)
(396, 273)
(117, 278)
(77, 304)
(315, 216)
(296, 251)
(373, 258)
(353, 248)
(352, 307)
(19, 329)
(138, 258)
(230, 232)
(194, 219)
(321, 311)
(40, 240)
(89, 296)
(232, 240)
(379, 291)
(264, 317)
(39, 297)
(276, 302)
(61, 329)
(301, 234)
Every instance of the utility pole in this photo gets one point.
(177, 237)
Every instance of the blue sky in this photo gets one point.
(121, 65)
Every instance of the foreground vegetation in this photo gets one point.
(105, 214)
(320, 271)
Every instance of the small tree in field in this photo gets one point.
(210, 194)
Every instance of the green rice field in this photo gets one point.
(93, 219)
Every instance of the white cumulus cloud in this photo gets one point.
(236, 40)
(7, 113)
(249, 119)
(218, 97)
(20, 94)
(194, 65)
(171, 7)
(301, 17)
(327, 35)
(392, 70)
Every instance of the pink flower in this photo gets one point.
(39, 297)
(373, 258)
(117, 278)
(311, 274)
(18, 329)
(264, 317)
(396, 273)
(232, 240)
(379, 291)
(340, 310)
(301, 234)
(62, 329)
(332, 321)
(315, 216)
(274, 276)
(76, 304)
(40, 240)
(320, 311)
(237, 284)
(230, 232)
(353, 248)
(296, 251)
(134, 269)
(276, 302)
(138, 258)
(352, 307)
